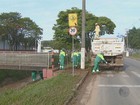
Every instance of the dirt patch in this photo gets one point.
(8, 83)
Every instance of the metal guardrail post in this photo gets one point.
(48, 60)
(52, 60)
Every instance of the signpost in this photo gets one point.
(72, 30)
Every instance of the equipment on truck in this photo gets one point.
(113, 48)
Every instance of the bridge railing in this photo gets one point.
(24, 60)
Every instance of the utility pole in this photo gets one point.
(127, 39)
(39, 46)
(83, 35)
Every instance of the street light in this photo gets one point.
(83, 36)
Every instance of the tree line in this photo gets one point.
(22, 31)
(19, 31)
(134, 38)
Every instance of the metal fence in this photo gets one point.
(133, 51)
(136, 51)
(24, 60)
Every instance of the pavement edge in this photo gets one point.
(76, 88)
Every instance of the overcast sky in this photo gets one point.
(124, 13)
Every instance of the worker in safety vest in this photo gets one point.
(62, 59)
(34, 73)
(98, 59)
(97, 30)
(74, 57)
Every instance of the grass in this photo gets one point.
(136, 56)
(14, 75)
(53, 91)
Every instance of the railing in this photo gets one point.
(22, 60)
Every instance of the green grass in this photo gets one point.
(14, 75)
(136, 56)
(53, 91)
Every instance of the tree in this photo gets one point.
(61, 35)
(134, 38)
(47, 43)
(17, 30)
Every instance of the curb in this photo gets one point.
(76, 88)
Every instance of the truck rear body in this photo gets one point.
(113, 49)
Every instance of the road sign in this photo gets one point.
(72, 19)
(72, 30)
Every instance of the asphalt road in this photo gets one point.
(112, 88)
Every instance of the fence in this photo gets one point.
(22, 60)
(133, 51)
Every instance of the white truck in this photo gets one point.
(113, 49)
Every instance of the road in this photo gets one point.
(112, 88)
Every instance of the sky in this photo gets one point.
(124, 13)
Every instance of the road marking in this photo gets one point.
(123, 74)
(129, 86)
(136, 74)
(110, 75)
